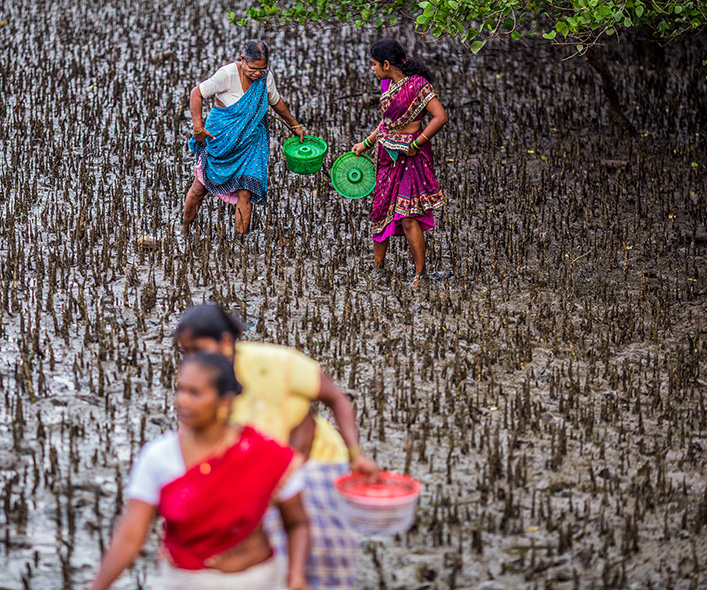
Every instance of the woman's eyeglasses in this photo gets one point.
(254, 70)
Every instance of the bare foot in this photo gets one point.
(416, 282)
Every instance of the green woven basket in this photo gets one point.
(306, 157)
(353, 176)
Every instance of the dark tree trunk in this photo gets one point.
(649, 50)
(612, 95)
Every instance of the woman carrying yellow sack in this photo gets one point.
(279, 384)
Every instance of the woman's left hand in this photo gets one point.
(411, 151)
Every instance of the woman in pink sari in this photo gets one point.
(212, 483)
(407, 191)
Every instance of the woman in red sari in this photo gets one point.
(407, 191)
(212, 483)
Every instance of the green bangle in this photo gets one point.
(415, 145)
(354, 453)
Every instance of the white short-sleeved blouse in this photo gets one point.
(225, 84)
(160, 461)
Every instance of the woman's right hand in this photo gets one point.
(201, 135)
(367, 466)
(359, 148)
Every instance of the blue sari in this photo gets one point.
(237, 157)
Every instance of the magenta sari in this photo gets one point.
(405, 186)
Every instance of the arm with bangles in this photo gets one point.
(126, 543)
(195, 105)
(331, 396)
(296, 524)
(366, 144)
(438, 120)
(280, 107)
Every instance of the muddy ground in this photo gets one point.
(547, 385)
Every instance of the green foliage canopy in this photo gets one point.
(580, 23)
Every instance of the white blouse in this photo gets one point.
(225, 84)
(160, 461)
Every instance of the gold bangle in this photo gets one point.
(296, 126)
(423, 135)
(354, 453)
(199, 132)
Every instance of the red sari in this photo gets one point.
(216, 504)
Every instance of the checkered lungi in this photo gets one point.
(334, 544)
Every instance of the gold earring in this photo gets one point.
(228, 351)
(222, 414)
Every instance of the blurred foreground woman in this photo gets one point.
(212, 482)
(279, 385)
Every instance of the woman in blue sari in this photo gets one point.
(232, 147)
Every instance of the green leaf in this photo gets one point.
(453, 4)
(393, 20)
(515, 35)
(694, 164)
(580, 47)
(477, 45)
(610, 31)
(550, 35)
(639, 11)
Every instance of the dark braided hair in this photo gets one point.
(391, 51)
(209, 320)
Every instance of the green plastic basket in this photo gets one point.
(353, 176)
(306, 157)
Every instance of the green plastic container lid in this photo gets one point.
(306, 157)
(353, 176)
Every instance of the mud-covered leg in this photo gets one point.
(244, 209)
(195, 196)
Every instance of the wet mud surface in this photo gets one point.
(547, 384)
